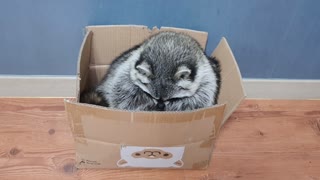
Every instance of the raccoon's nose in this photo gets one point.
(160, 106)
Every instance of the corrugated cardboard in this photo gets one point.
(110, 138)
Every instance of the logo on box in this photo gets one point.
(135, 156)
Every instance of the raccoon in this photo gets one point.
(167, 72)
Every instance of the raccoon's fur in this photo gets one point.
(167, 72)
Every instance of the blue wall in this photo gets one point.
(270, 38)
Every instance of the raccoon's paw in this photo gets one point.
(93, 97)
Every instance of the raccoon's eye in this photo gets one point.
(182, 73)
(144, 73)
(144, 69)
(182, 88)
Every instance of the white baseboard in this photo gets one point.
(282, 88)
(64, 86)
(37, 86)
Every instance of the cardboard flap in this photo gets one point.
(143, 128)
(83, 62)
(108, 42)
(232, 91)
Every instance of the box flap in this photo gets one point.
(232, 91)
(83, 62)
(108, 42)
(142, 128)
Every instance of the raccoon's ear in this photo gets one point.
(183, 72)
(144, 69)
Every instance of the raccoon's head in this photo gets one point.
(178, 83)
(168, 66)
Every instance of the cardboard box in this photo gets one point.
(108, 138)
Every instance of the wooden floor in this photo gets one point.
(264, 139)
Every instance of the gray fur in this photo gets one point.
(169, 71)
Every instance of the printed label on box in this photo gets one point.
(165, 157)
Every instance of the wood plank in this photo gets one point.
(263, 139)
(35, 141)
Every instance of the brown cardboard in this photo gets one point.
(110, 138)
(232, 91)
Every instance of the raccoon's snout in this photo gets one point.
(160, 106)
(162, 94)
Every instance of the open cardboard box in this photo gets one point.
(109, 138)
